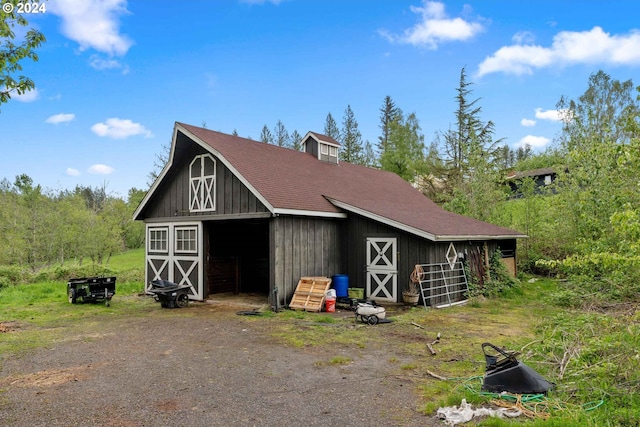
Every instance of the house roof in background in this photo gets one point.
(531, 173)
(295, 182)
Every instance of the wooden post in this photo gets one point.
(486, 261)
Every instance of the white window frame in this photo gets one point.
(333, 151)
(202, 188)
(153, 241)
(192, 239)
(324, 149)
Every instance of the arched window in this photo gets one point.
(202, 184)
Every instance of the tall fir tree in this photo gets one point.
(281, 136)
(351, 141)
(266, 136)
(296, 140)
(388, 113)
(331, 127)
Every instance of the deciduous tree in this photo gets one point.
(13, 52)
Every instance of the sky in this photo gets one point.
(114, 75)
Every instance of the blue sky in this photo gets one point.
(115, 75)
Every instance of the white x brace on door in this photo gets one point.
(174, 253)
(382, 269)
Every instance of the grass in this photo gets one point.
(593, 357)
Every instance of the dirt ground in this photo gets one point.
(203, 366)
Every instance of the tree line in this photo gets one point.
(39, 227)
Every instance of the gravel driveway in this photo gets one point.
(202, 366)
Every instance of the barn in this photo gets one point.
(229, 214)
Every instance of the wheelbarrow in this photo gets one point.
(370, 313)
(506, 373)
(91, 289)
(169, 294)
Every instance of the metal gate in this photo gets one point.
(382, 269)
(443, 284)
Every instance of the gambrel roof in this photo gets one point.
(297, 183)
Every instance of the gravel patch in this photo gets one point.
(208, 368)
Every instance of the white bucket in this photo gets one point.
(331, 293)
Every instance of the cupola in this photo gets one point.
(323, 147)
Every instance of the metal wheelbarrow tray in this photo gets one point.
(506, 373)
(91, 289)
(169, 294)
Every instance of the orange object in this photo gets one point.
(330, 305)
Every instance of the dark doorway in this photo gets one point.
(238, 256)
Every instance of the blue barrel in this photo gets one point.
(341, 285)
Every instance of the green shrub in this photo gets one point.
(13, 275)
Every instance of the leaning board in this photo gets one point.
(309, 294)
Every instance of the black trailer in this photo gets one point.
(91, 289)
(169, 294)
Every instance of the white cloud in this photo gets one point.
(60, 118)
(72, 172)
(94, 24)
(553, 115)
(435, 27)
(99, 169)
(28, 96)
(103, 64)
(568, 47)
(120, 128)
(533, 141)
(527, 123)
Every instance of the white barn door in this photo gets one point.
(382, 269)
(175, 253)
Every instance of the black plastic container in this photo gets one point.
(506, 373)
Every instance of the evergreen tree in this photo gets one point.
(281, 136)
(472, 172)
(266, 136)
(296, 140)
(369, 157)
(331, 128)
(351, 150)
(471, 136)
(523, 153)
(404, 154)
(235, 132)
(388, 114)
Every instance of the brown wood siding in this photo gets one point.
(171, 199)
(303, 246)
(411, 249)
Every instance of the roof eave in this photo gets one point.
(419, 232)
(382, 219)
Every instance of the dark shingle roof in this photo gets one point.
(290, 180)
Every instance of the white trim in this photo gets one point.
(417, 231)
(176, 229)
(158, 228)
(382, 219)
(279, 211)
(202, 188)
